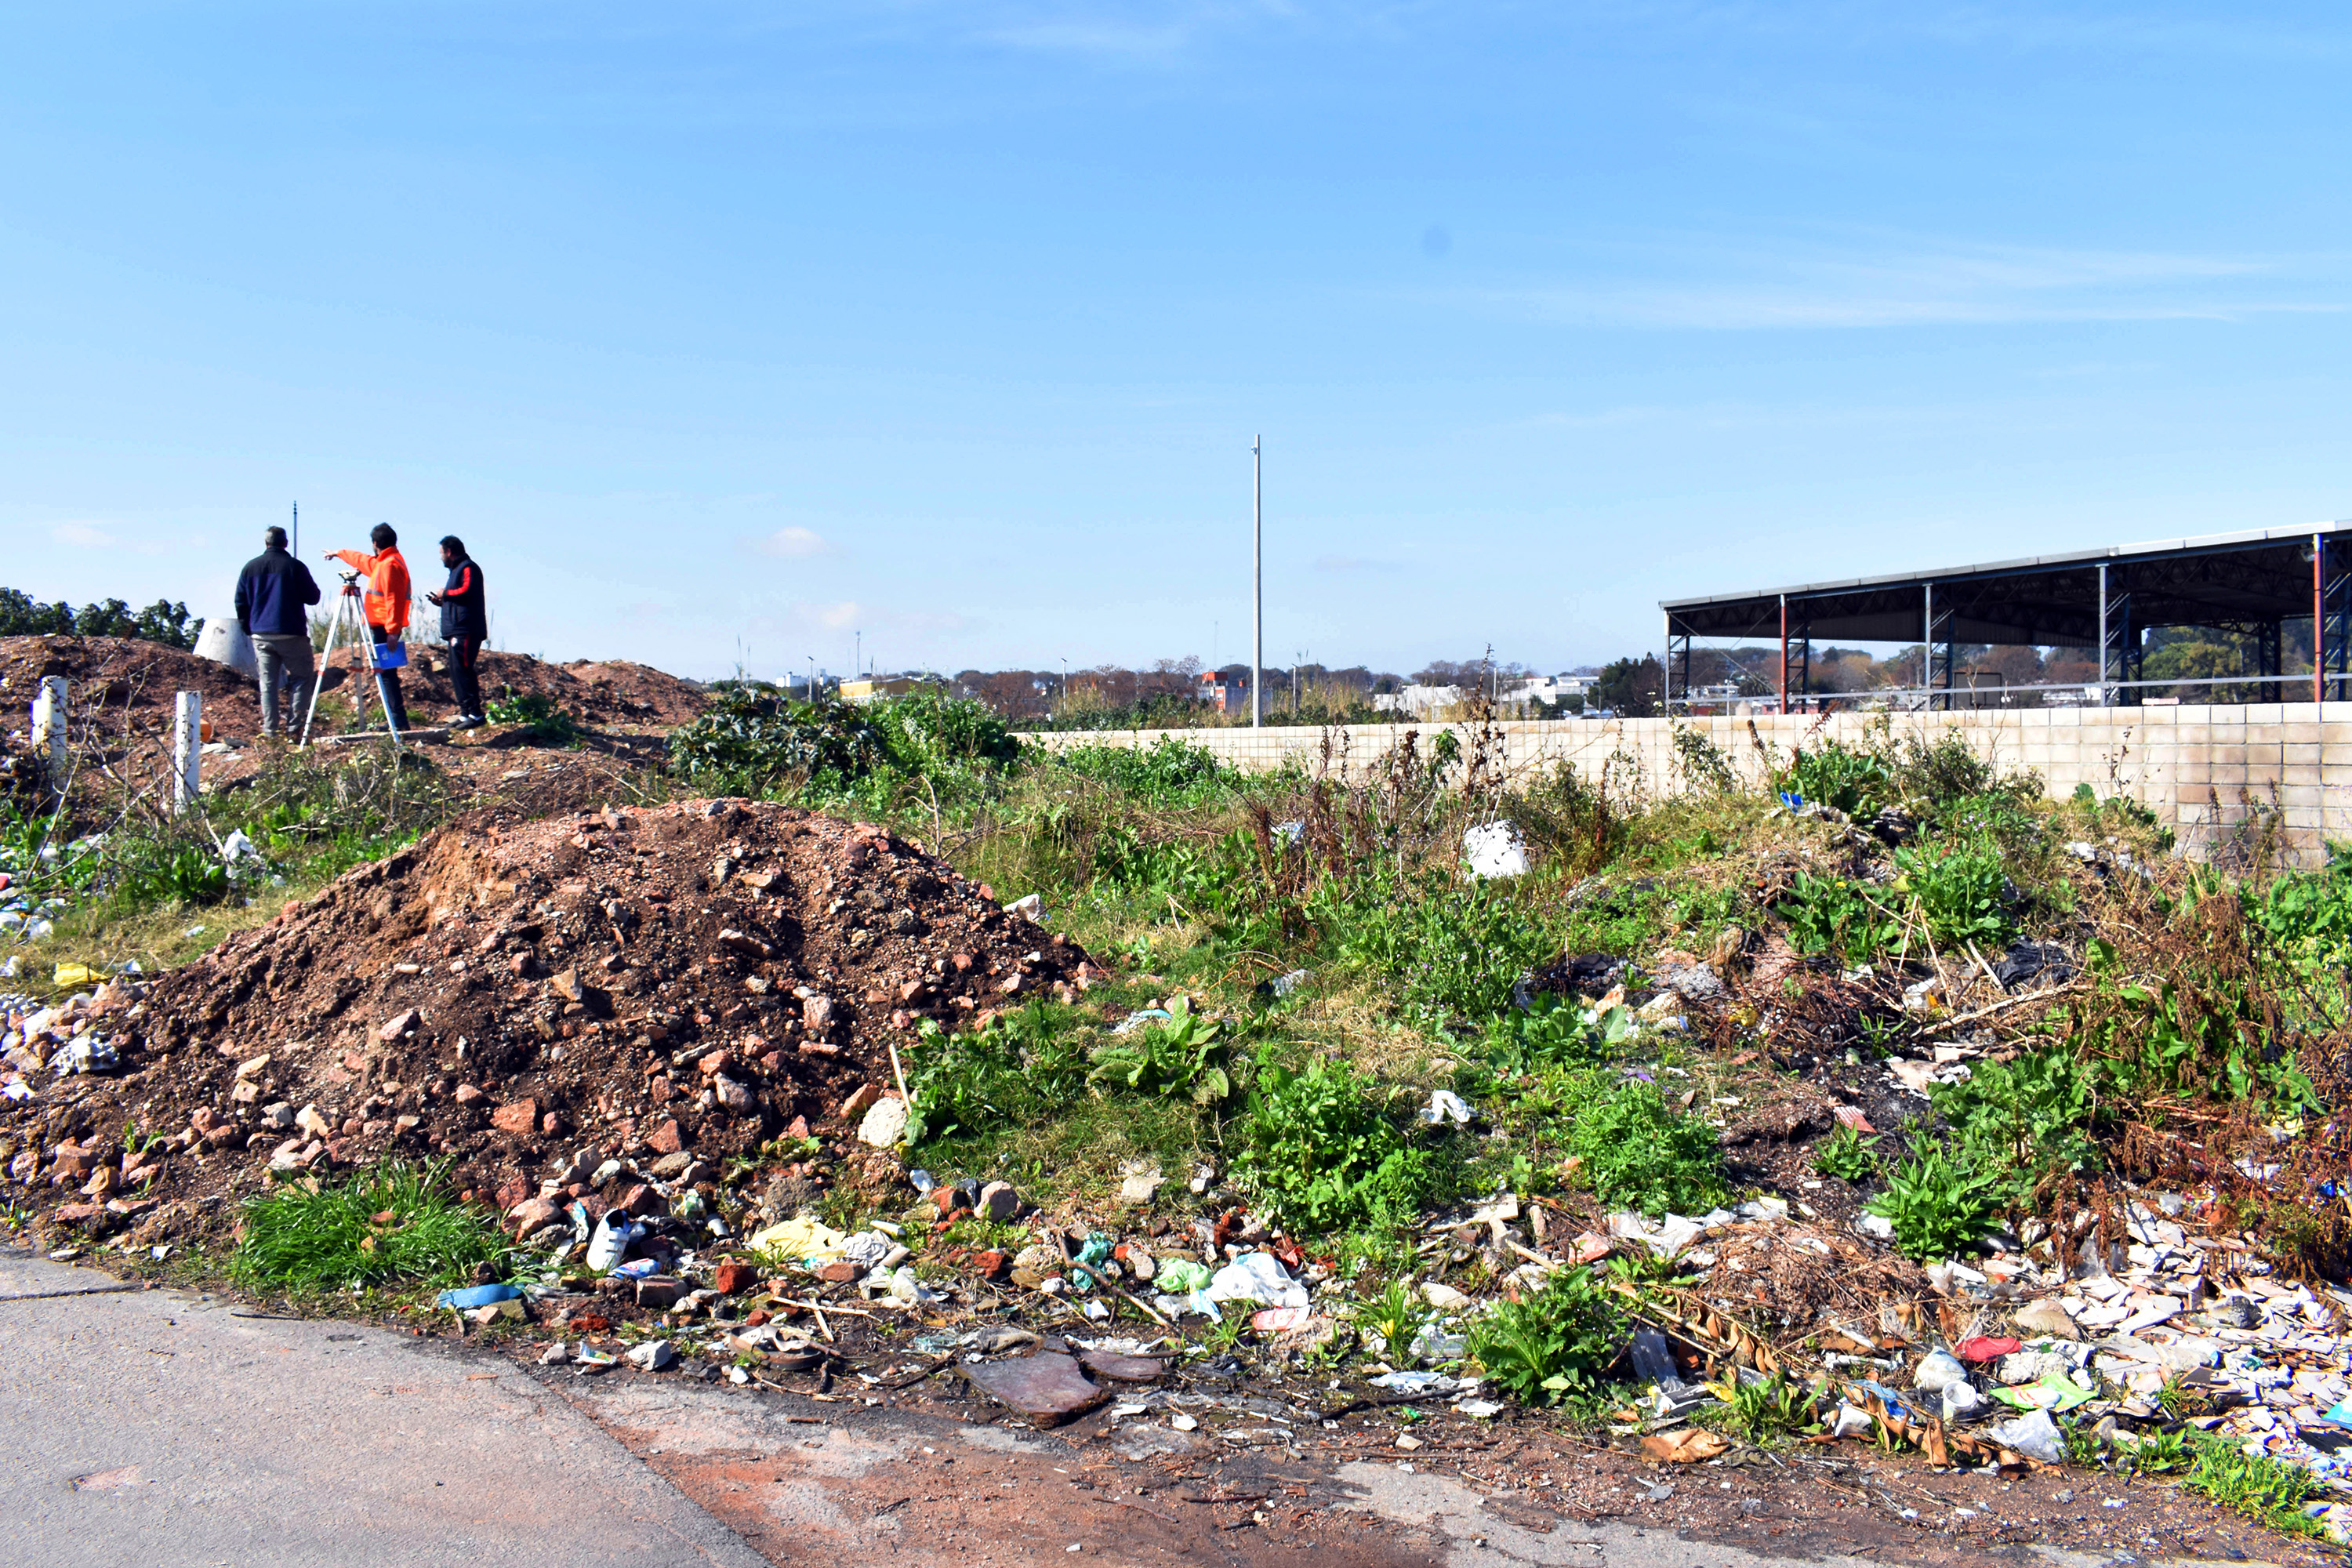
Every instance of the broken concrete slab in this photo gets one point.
(1047, 1388)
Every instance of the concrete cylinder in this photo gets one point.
(223, 642)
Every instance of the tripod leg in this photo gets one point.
(318, 682)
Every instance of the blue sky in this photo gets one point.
(728, 331)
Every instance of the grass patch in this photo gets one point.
(2256, 1486)
(390, 1223)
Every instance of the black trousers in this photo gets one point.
(465, 655)
(388, 682)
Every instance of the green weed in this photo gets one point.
(1765, 1411)
(1847, 1157)
(1959, 890)
(1324, 1152)
(1635, 1152)
(1829, 914)
(2255, 1484)
(1185, 1056)
(296, 1239)
(1396, 1314)
(1554, 1345)
(538, 715)
(1937, 1209)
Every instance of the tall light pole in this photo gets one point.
(812, 658)
(1257, 582)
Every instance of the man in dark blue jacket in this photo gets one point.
(274, 596)
(465, 627)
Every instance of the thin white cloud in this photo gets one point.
(82, 535)
(1112, 39)
(1727, 286)
(796, 542)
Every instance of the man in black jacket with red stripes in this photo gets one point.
(465, 625)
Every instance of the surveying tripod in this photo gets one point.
(347, 612)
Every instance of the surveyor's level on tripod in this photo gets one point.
(378, 618)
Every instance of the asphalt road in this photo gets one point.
(151, 1428)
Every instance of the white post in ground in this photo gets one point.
(48, 732)
(187, 748)
(1257, 582)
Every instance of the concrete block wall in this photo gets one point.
(2203, 770)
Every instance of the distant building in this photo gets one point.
(1226, 691)
(1421, 701)
(871, 687)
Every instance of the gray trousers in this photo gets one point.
(287, 663)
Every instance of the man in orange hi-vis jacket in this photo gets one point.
(385, 605)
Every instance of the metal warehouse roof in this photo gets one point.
(2239, 580)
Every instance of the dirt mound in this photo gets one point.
(122, 674)
(678, 985)
(603, 691)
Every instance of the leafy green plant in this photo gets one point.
(2161, 1453)
(2032, 1116)
(1551, 1032)
(1456, 949)
(1396, 1314)
(1847, 1157)
(1552, 1344)
(1959, 890)
(1018, 1068)
(1855, 783)
(1324, 1151)
(1185, 1055)
(2255, 1484)
(537, 714)
(393, 1221)
(1763, 1410)
(1166, 774)
(1937, 1209)
(1829, 914)
(751, 739)
(1635, 1152)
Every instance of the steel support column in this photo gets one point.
(1784, 653)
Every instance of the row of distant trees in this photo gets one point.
(163, 622)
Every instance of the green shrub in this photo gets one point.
(1829, 914)
(1937, 1209)
(1324, 1151)
(1168, 773)
(1960, 892)
(1185, 1056)
(1855, 783)
(750, 740)
(1940, 773)
(162, 622)
(296, 1239)
(1554, 1345)
(540, 718)
(2032, 1116)
(1637, 1152)
(1019, 1068)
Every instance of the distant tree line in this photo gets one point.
(163, 622)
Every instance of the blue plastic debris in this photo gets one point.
(478, 1296)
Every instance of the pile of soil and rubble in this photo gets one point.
(675, 986)
(135, 679)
